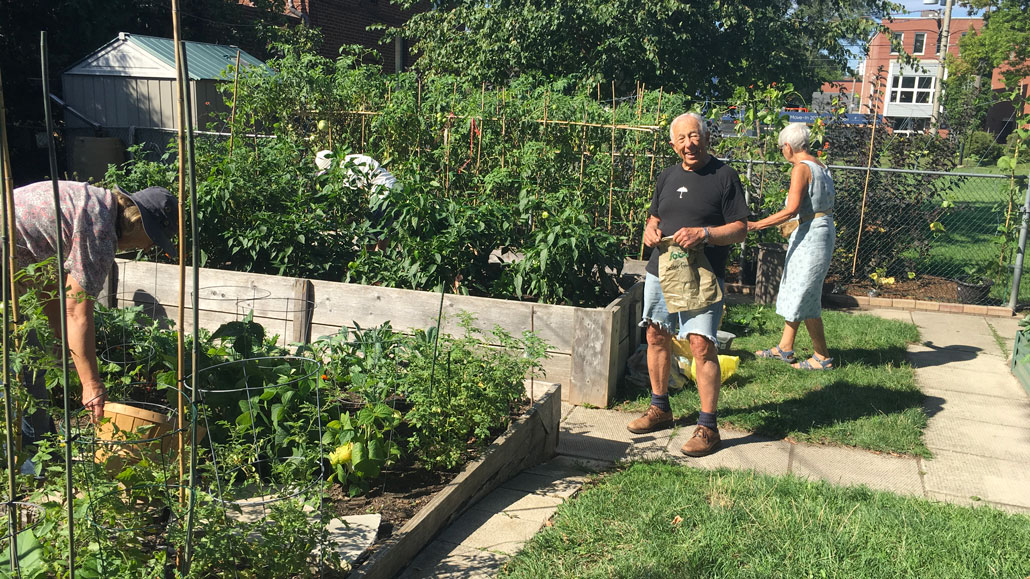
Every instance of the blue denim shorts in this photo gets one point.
(701, 322)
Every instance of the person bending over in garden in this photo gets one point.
(811, 199)
(698, 203)
(363, 173)
(95, 223)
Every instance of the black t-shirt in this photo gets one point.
(708, 197)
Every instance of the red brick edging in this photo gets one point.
(866, 302)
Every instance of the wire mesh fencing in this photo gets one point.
(923, 235)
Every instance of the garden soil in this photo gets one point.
(397, 497)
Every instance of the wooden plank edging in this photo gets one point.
(589, 346)
(530, 440)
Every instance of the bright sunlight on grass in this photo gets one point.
(870, 401)
(665, 520)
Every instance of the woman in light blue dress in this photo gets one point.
(810, 198)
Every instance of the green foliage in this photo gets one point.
(1003, 40)
(360, 445)
(465, 392)
(900, 208)
(651, 42)
(983, 148)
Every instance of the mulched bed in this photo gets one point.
(398, 496)
(925, 287)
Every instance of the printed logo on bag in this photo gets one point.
(682, 190)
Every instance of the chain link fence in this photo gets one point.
(924, 235)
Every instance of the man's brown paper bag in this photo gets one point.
(686, 276)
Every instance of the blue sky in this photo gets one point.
(914, 6)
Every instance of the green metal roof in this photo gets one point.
(205, 61)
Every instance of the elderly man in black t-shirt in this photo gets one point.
(699, 203)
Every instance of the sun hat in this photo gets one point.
(160, 212)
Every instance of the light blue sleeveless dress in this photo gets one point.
(809, 251)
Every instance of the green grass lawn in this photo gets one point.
(980, 206)
(661, 520)
(870, 401)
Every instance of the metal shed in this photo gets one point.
(130, 82)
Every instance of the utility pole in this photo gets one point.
(942, 54)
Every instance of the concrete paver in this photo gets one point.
(989, 479)
(449, 561)
(494, 532)
(989, 381)
(943, 330)
(984, 407)
(547, 485)
(740, 450)
(979, 438)
(978, 432)
(520, 504)
(602, 435)
(845, 466)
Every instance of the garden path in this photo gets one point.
(978, 432)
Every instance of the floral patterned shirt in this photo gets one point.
(87, 224)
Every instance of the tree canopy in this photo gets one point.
(1004, 40)
(702, 48)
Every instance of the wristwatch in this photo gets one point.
(708, 234)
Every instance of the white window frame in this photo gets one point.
(916, 42)
(901, 40)
(908, 87)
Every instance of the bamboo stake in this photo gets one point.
(504, 113)
(599, 108)
(180, 110)
(611, 171)
(418, 114)
(654, 156)
(547, 99)
(62, 300)
(636, 144)
(549, 121)
(583, 148)
(657, 119)
(235, 95)
(8, 192)
(865, 188)
(482, 109)
(9, 297)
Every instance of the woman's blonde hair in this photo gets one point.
(796, 135)
(129, 219)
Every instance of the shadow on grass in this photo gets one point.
(836, 402)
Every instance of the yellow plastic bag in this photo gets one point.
(727, 366)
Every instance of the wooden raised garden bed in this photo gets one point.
(588, 346)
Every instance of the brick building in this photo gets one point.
(908, 92)
(346, 21)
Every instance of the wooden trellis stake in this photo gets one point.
(583, 148)
(654, 156)
(482, 110)
(865, 188)
(611, 171)
(235, 95)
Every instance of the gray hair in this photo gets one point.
(796, 135)
(701, 122)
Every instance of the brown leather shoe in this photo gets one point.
(654, 419)
(704, 442)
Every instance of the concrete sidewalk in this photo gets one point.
(979, 434)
